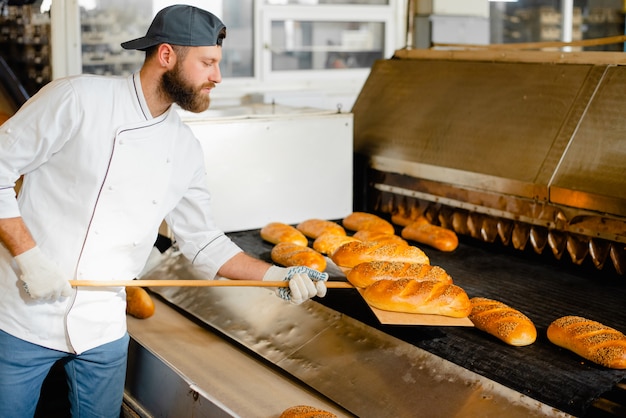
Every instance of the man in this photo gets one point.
(105, 160)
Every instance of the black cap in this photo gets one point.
(181, 25)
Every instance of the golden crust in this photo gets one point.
(358, 221)
(364, 274)
(276, 232)
(288, 254)
(305, 411)
(589, 339)
(435, 236)
(353, 253)
(139, 303)
(503, 322)
(328, 242)
(421, 297)
(377, 236)
(313, 228)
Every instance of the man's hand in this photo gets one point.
(42, 278)
(304, 282)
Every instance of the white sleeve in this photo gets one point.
(32, 135)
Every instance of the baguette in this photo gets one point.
(358, 221)
(364, 274)
(139, 303)
(590, 339)
(305, 411)
(289, 254)
(502, 321)
(353, 253)
(328, 242)
(276, 232)
(435, 236)
(401, 219)
(313, 228)
(369, 235)
(413, 296)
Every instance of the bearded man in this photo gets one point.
(104, 161)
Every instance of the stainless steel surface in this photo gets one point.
(365, 371)
(592, 171)
(537, 143)
(179, 369)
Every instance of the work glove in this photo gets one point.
(304, 282)
(42, 278)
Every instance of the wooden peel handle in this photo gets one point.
(195, 283)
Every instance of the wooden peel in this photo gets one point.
(196, 283)
(403, 318)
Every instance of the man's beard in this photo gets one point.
(179, 91)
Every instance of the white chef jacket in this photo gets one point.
(100, 175)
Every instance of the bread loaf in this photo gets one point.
(4, 117)
(364, 274)
(401, 219)
(435, 236)
(328, 242)
(590, 339)
(502, 321)
(289, 254)
(276, 232)
(313, 228)
(358, 221)
(139, 303)
(377, 236)
(421, 297)
(305, 411)
(353, 253)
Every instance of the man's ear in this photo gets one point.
(166, 56)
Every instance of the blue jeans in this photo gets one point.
(95, 377)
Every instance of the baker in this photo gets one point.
(105, 160)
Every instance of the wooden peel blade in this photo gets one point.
(194, 283)
(403, 318)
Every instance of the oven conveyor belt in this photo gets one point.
(543, 288)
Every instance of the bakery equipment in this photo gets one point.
(268, 163)
(520, 148)
(504, 164)
(519, 153)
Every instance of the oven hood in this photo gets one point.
(524, 147)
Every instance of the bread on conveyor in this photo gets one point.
(370, 235)
(305, 411)
(358, 221)
(434, 236)
(276, 232)
(328, 242)
(4, 117)
(420, 297)
(289, 254)
(313, 228)
(353, 253)
(138, 302)
(589, 339)
(364, 274)
(502, 321)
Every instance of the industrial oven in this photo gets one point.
(523, 155)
